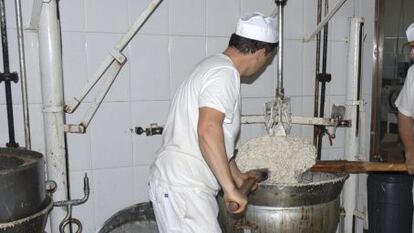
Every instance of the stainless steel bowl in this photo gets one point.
(22, 183)
(312, 206)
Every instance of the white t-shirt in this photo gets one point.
(405, 100)
(214, 83)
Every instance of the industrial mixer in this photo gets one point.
(312, 206)
(24, 204)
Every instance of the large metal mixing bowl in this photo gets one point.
(32, 224)
(312, 206)
(22, 183)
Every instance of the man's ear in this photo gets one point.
(262, 52)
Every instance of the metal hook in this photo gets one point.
(68, 221)
(69, 204)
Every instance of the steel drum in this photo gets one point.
(312, 206)
(22, 183)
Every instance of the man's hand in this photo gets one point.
(242, 177)
(239, 177)
(234, 195)
(409, 161)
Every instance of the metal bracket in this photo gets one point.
(324, 77)
(361, 103)
(354, 103)
(119, 57)
(154, 129)
(281, 2)
(75, 128)
(11, 77)
(107, 72)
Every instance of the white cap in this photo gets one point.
(259, 27)
(410, 33)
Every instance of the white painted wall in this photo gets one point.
(176, 37)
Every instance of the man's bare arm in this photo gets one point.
(405, 127)
(211, 142)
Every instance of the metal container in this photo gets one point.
(32, 224)
(137, 218)
(312, 206)
(22, 184)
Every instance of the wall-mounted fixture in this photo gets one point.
(154, 129)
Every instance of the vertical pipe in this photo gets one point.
(52, 96)
(279, 90)
(317, 68)
(323, 83)
(376, 83)
(352, 147)
(6, 71)
(23, 79)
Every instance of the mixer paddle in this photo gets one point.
(335, 166)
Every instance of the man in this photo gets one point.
(405, 104)
(201, 131)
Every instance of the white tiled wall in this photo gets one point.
(177, 36)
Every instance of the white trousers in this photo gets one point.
(184, 211)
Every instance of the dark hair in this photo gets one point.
(246, 45)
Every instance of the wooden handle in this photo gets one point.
(245, 189)
(357, 166)
(259, 175)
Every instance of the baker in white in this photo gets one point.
(195, 159)
(405, 104)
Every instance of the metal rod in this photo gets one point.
(376, 83)
(325, 40)
(23, 77)
(299, 120)
(322, 23)
(116, 55)
(6, 70)
(137, 25)
(317, 68)
(279, 83)
(323, 83)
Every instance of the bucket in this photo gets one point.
(390, 203)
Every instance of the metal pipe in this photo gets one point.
(352, 148)
(279, 83)
(53, 100)
(325, 40)
(325, 20)
(323, 83)
(316, 129)
(376, 84)
(7, 76)
(23, 79)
